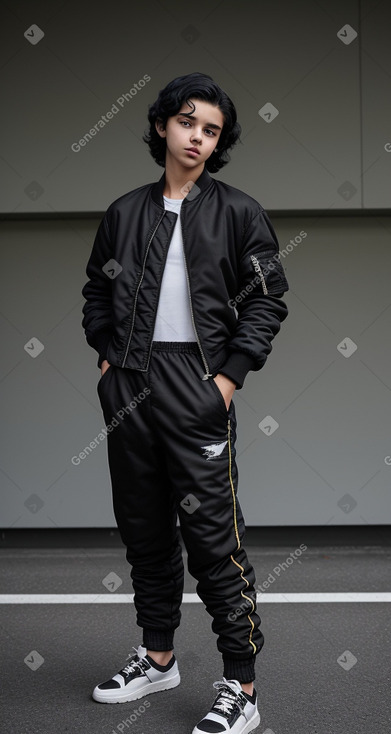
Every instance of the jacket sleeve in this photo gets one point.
(97, 311)
(258, 302)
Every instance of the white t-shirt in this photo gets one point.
(173, 318)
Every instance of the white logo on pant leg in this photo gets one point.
(214, 450)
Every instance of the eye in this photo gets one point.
(186, 122)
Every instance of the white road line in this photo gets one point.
(265, 598)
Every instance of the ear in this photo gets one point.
(160, 128)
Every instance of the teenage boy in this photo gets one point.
(183, 299)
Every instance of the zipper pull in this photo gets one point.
(206, 376)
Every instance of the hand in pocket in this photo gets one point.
(226, 387)
(104, 367)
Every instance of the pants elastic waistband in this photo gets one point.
(175, 347)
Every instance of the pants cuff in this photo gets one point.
(241, 670)
(159, 640)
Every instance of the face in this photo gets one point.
(198, 128)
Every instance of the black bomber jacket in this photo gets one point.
(234, 275)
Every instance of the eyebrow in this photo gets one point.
(207, 124)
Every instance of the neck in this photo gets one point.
(176, 177)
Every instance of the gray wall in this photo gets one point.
(326, 149)
(333, 411)
(328, 460)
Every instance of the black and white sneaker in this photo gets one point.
(233, 711)
(141, 676)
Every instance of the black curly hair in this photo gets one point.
(169, 102)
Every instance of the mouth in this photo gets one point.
(193, 150)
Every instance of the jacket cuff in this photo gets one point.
(237, 366)
(101, 342)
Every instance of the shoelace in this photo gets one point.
(226, 699)
(134, 664)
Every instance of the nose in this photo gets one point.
(196, 137)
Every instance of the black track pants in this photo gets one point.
(171, 452)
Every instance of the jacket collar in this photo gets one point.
(202, 182)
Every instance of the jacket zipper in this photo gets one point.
(138, 288)
(206, 366)
(258, 270)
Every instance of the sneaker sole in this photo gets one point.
(250, 726)
(162, 685)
